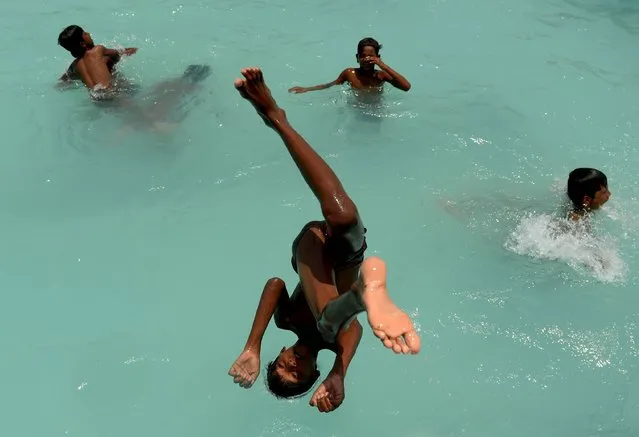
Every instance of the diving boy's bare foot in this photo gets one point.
(390, 324)
(253, 88)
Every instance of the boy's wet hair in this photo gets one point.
(368, 42)
(71, 38)
(285, 390)
(584, 182)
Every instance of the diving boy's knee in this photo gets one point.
(343, 219)
(275, 282)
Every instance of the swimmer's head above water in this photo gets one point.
(75, 40)
(367, 48)
(587, 189)
(293, 372)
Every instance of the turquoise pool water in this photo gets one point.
(132, 261)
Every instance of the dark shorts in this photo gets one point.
(346, 247)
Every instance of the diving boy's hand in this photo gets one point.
(130, 51)
(330, 394)
(246, 368)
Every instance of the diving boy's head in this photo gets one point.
(366, 48)
(587, 189)
(293, 372)
(75, 40)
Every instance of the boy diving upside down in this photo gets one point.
(335, 281)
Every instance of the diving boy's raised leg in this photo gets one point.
(338, 209)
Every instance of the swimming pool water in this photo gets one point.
(132, 261)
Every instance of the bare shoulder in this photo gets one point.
(348, 74)
(97, 51)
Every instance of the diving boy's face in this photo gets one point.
(600, 198)
(364, 56)
(295, 364)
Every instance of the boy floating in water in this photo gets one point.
(327, 256)
(93, 64)
(587, 190)
(366, 77)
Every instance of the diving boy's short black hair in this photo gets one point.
(369, 42)
(284, 390)
(71, 38)
(584, 182)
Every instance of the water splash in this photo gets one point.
(546, 237)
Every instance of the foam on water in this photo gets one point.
(549, 237)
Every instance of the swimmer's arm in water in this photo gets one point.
(116, 55)
(246, 367)
(67, 81)
(343, 77)
(330, 393)
(389, 75)
(71, 74)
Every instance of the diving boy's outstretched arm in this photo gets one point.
(246, 368)
(330, 394)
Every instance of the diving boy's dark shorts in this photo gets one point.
(346, 247)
